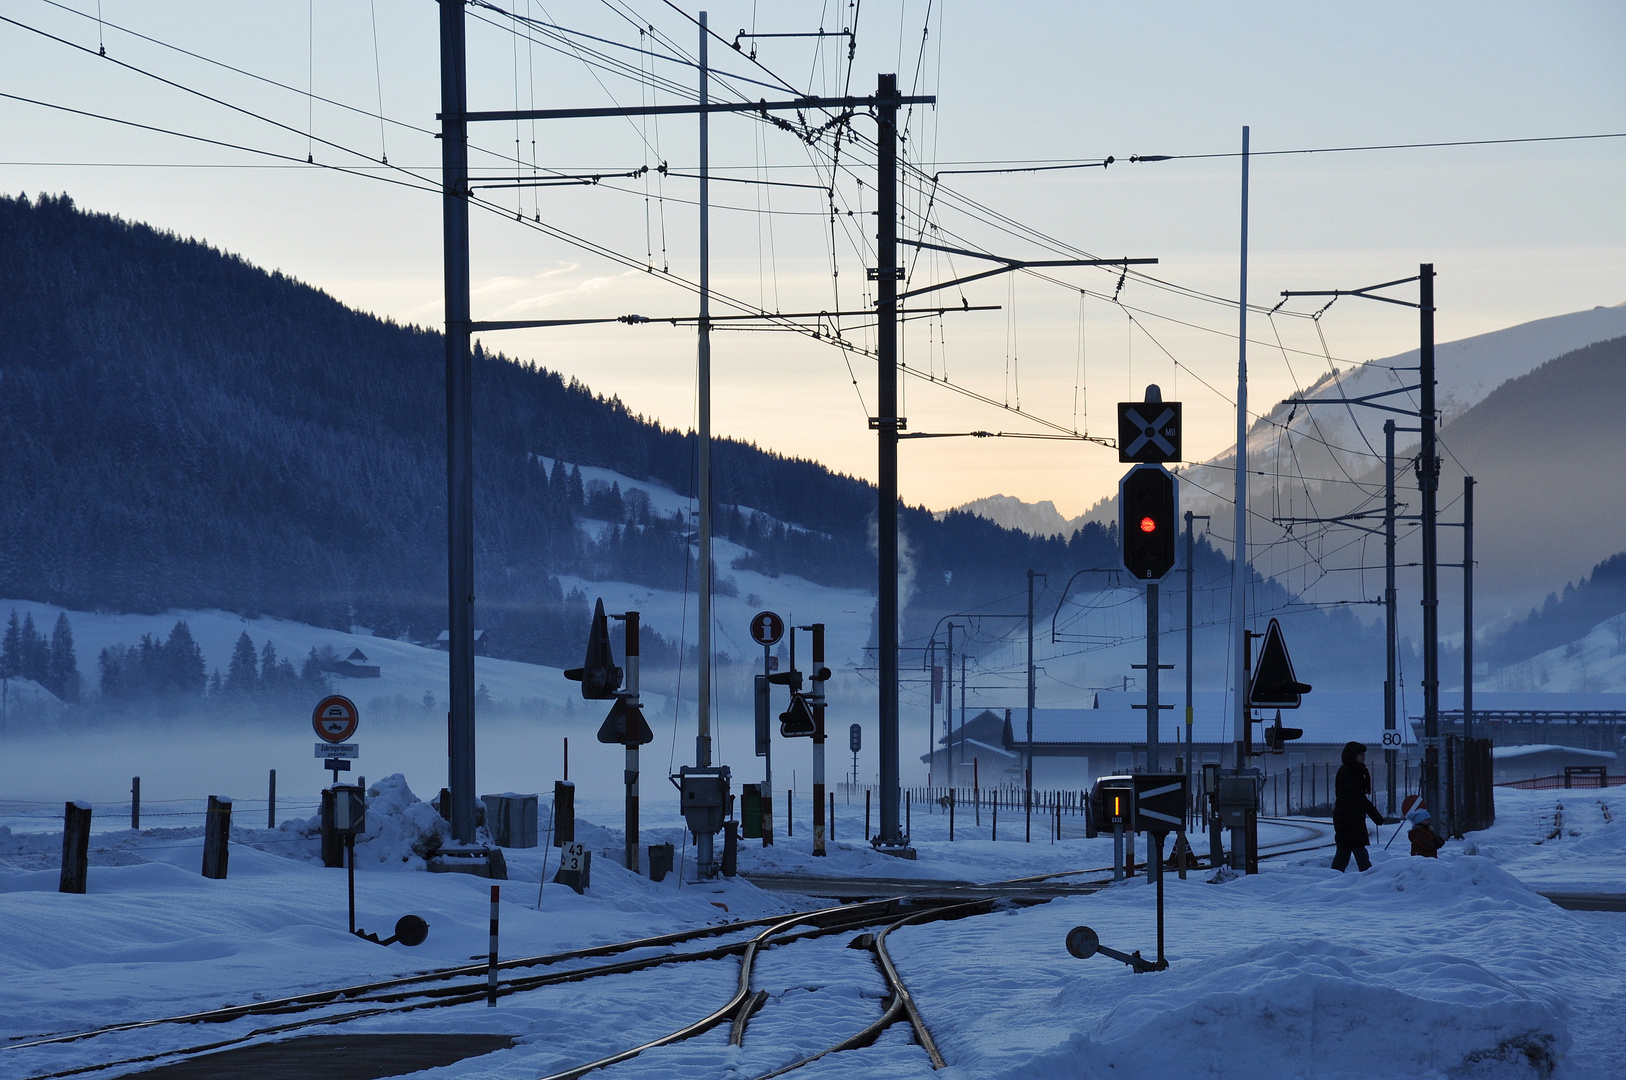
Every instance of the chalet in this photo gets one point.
(481, 642)
(354, 666)
(975, 752)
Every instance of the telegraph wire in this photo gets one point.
(241, 71)
(422, 185)
(310, 136)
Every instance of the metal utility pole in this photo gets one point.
(767, 757)
(931, 709)
(1391, 630)
(702, 742)
(633, 702)
(964, 656)
(454, 162)
(455, 117)
(816, 699)
(948, 710)
(1467, 609)
(888, 423)
(1190, 696)
(1153, 669)
(1428, 480)
(1027, 770)
(1239, 571)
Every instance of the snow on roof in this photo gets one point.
(1502, 753)
(1327, 718)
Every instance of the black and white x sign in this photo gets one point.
(1149, 431)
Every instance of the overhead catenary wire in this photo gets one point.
(847, 347)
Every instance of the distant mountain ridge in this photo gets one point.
(185, 430)
(1036, 519)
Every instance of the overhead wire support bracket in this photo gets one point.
(1367, 292)
(1008, 265)
(1365, 399)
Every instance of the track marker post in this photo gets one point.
(75, 847)
(216, 836)
(491, 961)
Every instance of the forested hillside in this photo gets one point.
(185, 430)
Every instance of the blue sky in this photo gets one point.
(1516, 232)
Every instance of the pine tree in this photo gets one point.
(575, 492)
(11, 649)
(242, 677)
(184, 670)
(268, 666)
(111, 662)
(64, 663)
(36, 652)
(311, 674)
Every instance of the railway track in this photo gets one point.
(458, 985)
(466, 984)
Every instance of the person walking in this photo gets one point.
(1351, 807)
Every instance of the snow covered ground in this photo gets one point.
(1418, 968)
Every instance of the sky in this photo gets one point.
(295, 180)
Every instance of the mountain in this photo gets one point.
(185, 430)
(1565, 617)
(1036, 519)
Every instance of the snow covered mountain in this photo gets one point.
(1036, 519)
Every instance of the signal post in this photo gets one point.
(1148, 506)
(816, 698)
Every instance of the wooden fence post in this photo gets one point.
(75, 847)
(135, 803)
(216, 834)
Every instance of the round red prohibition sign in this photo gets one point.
(335, 718)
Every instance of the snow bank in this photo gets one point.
(1310, 1006)
(401, 828)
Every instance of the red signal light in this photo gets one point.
(1147, 525)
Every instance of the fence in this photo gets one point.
(1544, 783)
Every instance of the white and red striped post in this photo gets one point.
(491, 963)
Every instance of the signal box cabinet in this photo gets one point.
(704, 794)
(1235, 798)
(511, 819)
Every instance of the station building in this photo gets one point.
(1070, 748)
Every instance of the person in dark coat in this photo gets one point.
(1351, 807)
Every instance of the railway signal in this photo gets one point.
(797, 721)
(1277, 737)
(1147, 510)
(1149, 431)
(599, 676)
(1274, 686)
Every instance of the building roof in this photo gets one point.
(1327, 718)
(1504, 753)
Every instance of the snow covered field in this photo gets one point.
(1418, 968)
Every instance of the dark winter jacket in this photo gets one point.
(1351, 807)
